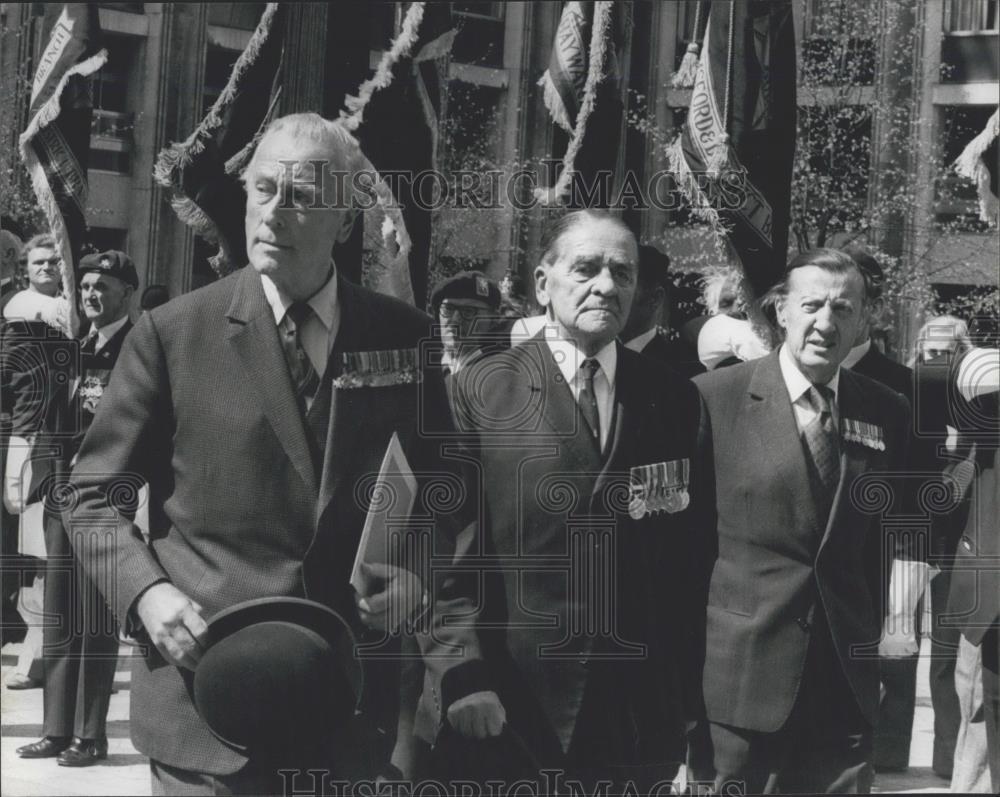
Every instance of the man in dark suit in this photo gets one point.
(253, 408)
(651, 310)
(80, 640)
(899, 670)
(795, 571)
(974, 601)
(592, 493)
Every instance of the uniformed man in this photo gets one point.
(81, 647)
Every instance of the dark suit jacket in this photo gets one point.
(773, 562)
(201, 407)
(554, 505)
(675, 354)
(40, 366)
(973, 602)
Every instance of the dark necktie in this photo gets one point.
(89, 345)
(587, 399)
(305, 380)
(823, 440)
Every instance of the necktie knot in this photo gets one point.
(821, 398)
(589, 369)
(297, 313)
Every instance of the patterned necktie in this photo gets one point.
(305, 380)
(89, 345)
(823, 439)
(587, 399)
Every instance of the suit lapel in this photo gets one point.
(853, 457)
(772, 418)
(254, 337)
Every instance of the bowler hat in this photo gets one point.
(112, 263)
(278, 677)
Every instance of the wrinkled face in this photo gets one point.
(821, 315)
(588, 289)
(287, 238)
(105, 299)
(458, 319)
(43, 270)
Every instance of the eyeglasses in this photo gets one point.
(467, 313)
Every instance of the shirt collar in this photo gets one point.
(856, 353)
(795, 381)
(108, 331)
(569, 358)
(639, 342)
(323, 302)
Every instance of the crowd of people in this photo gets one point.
(609, 549)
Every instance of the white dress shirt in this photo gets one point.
(798, 388)
(319, 330)
(105, 333)
(569, 359)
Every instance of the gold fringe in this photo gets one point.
(970, 165)
(684, 77)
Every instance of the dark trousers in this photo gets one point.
(894, 725)
(80, 642)
(991, 701)
(824, 747)
(944, 698)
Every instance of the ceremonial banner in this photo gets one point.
(734, 156)
(203, 171)
(56, 142)
(397, 115)
(583, 89)
(979, 163)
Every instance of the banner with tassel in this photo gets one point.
(202, 172)
(55, 145)
(396, 115)
(979, 163)
(733, 158)
(583, 91)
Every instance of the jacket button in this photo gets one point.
(803, 623)
(966, 542)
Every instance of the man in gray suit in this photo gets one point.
(253, 407)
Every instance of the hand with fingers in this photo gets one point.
(478, 716)
(174, 623)
(399, 597)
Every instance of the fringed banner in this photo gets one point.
(978, 162)
(396, 114)
(202, 172)
(56, 142)
(733, 158)
(578, 88)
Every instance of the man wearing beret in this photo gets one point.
(465, 305)
(81, 647)
(257, 409)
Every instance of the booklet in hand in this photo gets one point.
(391, 505)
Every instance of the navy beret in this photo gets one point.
(467, 285)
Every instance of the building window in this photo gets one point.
(113, 121)
(838, 47)
(956, 201)
(244, 16)
(970, 16)
(480, 34)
